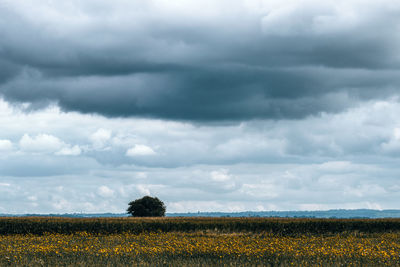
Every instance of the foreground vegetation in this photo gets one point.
(199, 242)
(277, 226)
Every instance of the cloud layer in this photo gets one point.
(51, 161)
(197, 61)
(209, 105)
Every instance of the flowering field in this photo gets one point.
(200, 248)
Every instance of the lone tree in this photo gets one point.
(146, 207)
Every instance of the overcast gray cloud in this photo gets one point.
(209, 105)
(214, 60)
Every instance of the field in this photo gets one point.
(199, 242)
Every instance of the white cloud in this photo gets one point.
(336, 166)
(105, 191)
(5, 145)
(220, 176)
(32, 198)
(45, 143)
(365, 190)
(140, 150)
(40, 143)
(61, 204)
(70, 151)
(261, 190)
(143, 190)
(100, 138)
(251, 144)
(141, 175)
(392, 146)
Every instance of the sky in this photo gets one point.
(210, 105)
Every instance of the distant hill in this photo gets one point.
(340, 213)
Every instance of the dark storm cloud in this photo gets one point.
(287, 61)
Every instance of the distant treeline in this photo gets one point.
(276, 226)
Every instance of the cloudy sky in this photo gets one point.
(212, 105)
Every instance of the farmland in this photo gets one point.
(198, 242)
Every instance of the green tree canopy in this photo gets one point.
(146, 207)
